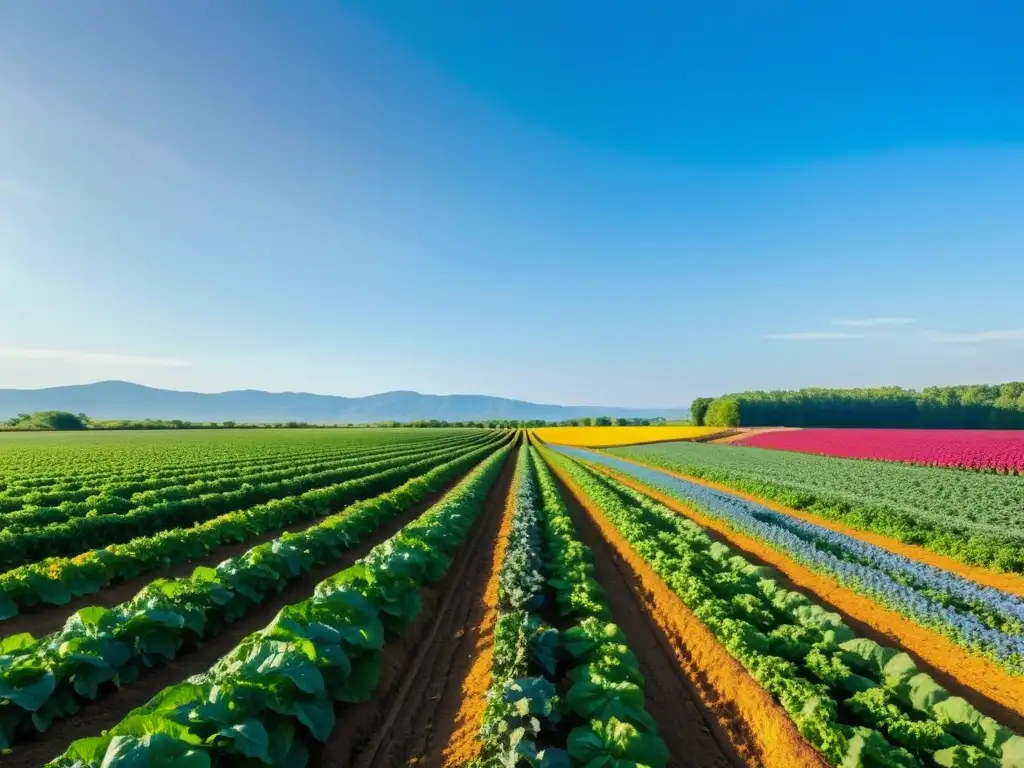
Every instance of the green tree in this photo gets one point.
(723, 412)
(698, 409)
(56, 420)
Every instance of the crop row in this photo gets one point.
(981, 619)
(174, 477)
(172, 483)
(857, 702)
(75, 535)
(602, 708)
(298, 476)
(89, 456)
(45, 679)
(277, 688)
(970, 516)
(58, 580)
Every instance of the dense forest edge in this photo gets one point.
(970, 406)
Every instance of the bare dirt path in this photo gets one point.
(414, 711)
(109, 710)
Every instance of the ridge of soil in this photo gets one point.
(990, 689)
(986, 577)
(413, 712)
(698, 727)
(107, 711)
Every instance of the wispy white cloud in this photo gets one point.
(979, 337)
(17, 190)
(77, 357)
(869, 322)
(813, 336)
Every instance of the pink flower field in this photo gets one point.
(992, 450)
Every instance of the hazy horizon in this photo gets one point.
(573, 205)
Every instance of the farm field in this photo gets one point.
(978, 449)
(971, 516)
(601, 437)
(449, 598)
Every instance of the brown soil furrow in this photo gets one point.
(411, 716)
(1007, 582)
(107, 711)
(695, 724)
(463, 743)
(985, 685)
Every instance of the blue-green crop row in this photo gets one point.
(972, 517)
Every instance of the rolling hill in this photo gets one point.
(125, 400)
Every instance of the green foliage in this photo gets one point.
(49, 420)
(967, 515)
(803, 655)
(72, 527)
(973, 406)
(279, 685)
(724, 412)
(99, 645)
(612, 743)
(699, 409)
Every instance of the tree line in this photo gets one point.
(971, 406)
(66, 421)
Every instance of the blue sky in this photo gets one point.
(579, 204)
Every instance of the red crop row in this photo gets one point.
(992, 450)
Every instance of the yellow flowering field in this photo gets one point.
(601, 437)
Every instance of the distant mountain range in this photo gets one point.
(124, 400)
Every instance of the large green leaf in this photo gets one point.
(18, 642)
(249, 738)
(618, 741)
(156, 750)
(30, 697)
(8, 608)
(52, 591)
(316, 714)
(362, 682)
(589, 696)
